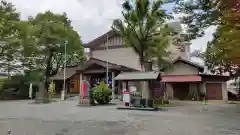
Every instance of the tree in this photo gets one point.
(220, 54)
(52, 32)
(37, 45)
(143, 29)
(9, 49)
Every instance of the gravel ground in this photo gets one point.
(65, 118)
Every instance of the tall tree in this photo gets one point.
(53, 32)
(9, 49)
(143, 29)
(221, 53)
(200, 14)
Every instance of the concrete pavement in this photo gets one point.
(65, 118)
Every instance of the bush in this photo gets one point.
(51, 90)
(102, 93)
(2, 81)
(16, 88)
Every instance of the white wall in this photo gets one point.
(121, 56)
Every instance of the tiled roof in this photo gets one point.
(137, 76)
(70, 71)
(188, 62)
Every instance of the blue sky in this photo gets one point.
(90, 18)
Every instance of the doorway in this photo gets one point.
(180, 90)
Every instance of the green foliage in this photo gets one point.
(143, 29)
(102, 93)
(2, 81)
(51, 90)
(19, 86)
(53, 32)
(38, 43)
(221, 54)
(199, 15)
(9, 49)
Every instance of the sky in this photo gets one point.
(90, 18)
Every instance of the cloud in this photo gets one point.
(201, 43)
(90, 18)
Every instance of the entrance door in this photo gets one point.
(214, 91)
(75, 86)
(180, 90)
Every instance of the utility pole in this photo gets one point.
(64, 72)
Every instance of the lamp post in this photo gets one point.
(64, 72)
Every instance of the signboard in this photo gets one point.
(126, 97)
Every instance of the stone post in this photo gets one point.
(113, 85)
(224, 92)
(80, 85)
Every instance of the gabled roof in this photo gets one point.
(180, 59)
(101, 39)
(70, 71)
(99, 62)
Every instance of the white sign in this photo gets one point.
(30, 91)
(126, 97)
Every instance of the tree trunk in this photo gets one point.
(48, 69)
(146, 94)
(8, 70)
(42, 95)
(165, 94)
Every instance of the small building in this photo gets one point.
(186, 81)
(72, 80)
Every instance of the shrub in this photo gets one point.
(102, 93)
(17, 87)
(51, 90)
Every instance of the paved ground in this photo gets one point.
(65, 118)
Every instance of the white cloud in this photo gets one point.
(90, 18)
(201, 43)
